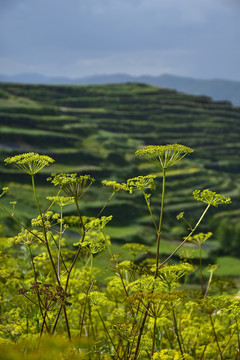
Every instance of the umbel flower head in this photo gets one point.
(31, 162)
(73, 185)
(211, 198)
(116, 187)
(200, 238)
(61, 200)
(164, 156)
(141, 183)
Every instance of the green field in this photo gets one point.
(97, 129)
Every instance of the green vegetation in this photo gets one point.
(63, 297)
(98, 128)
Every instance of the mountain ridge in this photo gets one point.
(217, 89)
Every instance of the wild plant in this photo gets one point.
(145, 310)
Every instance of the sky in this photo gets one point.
(77, 38)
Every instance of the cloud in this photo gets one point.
(183, 34)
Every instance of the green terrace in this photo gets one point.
(97, 129)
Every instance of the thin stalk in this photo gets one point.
(44, 230)
(59, 245)
(50, 255)
(176, 331)
(208, 285)
(33, 265)
(56, 320)
(205, 348)
(238, 337)
(35, 277)
(107, 332)
(157, 261)
(154, 336)
(69, 271)
(62, 259)
(160, 223)
(120, 275)
(109, 199)
(44, 320)
(150, 211)
(200, 268)
(19, 223)
(84, 309)
(140, 332)
(215, 336)
(66, 321)
(183, 242)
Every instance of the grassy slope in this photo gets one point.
(97, 129)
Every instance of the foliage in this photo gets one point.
(54, 306)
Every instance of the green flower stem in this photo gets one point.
(176, 331)
(44, 230)
(109, 199)
(59, 245)
(154, 335)
(62, 259)
(200, 267)
(69, 274)
(183, 242)
(157, 261)
(215, 336)
(33, 265)
(135, 356)
(51, 259)
(160, 223)
(84, 309)
(150, 211)
(79, 248)
(37, 201)
(208, 285)
(107, 332)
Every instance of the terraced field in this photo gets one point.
(97, 129)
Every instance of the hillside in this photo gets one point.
(218, 89)
(97, 129)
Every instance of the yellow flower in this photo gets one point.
(211, 198)
(164, 156)
(31, 163)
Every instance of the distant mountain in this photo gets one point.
(218, 89)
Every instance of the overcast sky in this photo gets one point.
(75, 38)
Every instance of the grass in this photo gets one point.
(228, 266)
(120, 233)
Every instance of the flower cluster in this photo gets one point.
(164, 156)
(61, 200)
(31, 163)
(98, 223)
(115, 185)
(27, 238)
(200, 238)
(74, 186)
(48, 219)
(211, 198)
(141, 183)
